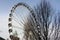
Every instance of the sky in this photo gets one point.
(6, 5)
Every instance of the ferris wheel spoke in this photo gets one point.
(18, 21)
(19, 16)
(17, 27)
(31, 20)
(24, 31)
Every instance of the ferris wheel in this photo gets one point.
(21, 22)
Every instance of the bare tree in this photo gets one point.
(57, 27)
(43, 15)
(38, 24)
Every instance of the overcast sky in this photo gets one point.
(6, 5)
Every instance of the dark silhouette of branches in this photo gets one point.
(40, 25)
(43, 14)
(55, 30)
(57, 27)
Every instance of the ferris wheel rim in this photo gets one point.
(12, 11)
